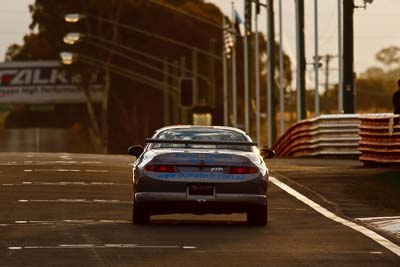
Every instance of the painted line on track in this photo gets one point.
(379, 218)
(8, 163)
(64, 170)
(389, 225)
(91, 246)
(63, 162)
(359, 228)
(64, 222)
(105, 201)
(24, 183)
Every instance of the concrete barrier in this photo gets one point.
(380, 139)
(326, 135)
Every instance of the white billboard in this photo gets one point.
(45, 82)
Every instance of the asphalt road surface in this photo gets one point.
(75, 210)
(45, 140)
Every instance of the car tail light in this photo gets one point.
(242, 170)
(160, 168)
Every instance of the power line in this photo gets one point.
(159, 37)
(180, 11)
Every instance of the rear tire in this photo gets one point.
(258, 215)
(139, 216)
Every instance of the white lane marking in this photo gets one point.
(96, 170)
(84, 246)
(297, 209)
(387, 224)
(359, 228)
(69, 161)
(63, 170)
(66, 157)
(106, 201)
(8, 163)
(379, 218)
(67, 184)
(264, 250)
(58, 222)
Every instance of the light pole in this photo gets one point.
(301, 61)
(281, 74)
(316, 58)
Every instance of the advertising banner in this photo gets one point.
(46, 82)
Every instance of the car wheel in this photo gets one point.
(139, 216)
(258, 215)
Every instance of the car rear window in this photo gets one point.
(202, 135)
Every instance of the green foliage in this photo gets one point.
(375, 88)
(389, 56)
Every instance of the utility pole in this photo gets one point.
(234, 79)
(271, 74)
(257, 73)
(248, 53)
(328, 58)
(225, 74)
(166, 109)
(348, 56)
(281, 74)
(340, 58)
(301, 61)
(316, 59)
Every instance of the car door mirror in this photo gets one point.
(267, 153)
(135, 150)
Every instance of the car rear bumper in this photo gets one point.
(145, 197)
(167, 203)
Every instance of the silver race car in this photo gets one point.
(200, 170)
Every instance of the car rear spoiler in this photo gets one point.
(200, 142)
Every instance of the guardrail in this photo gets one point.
(326, 135)
(380, 139)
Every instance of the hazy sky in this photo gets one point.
(375, 28)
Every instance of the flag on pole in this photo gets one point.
(237, 22)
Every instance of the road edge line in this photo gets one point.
(359, 228)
